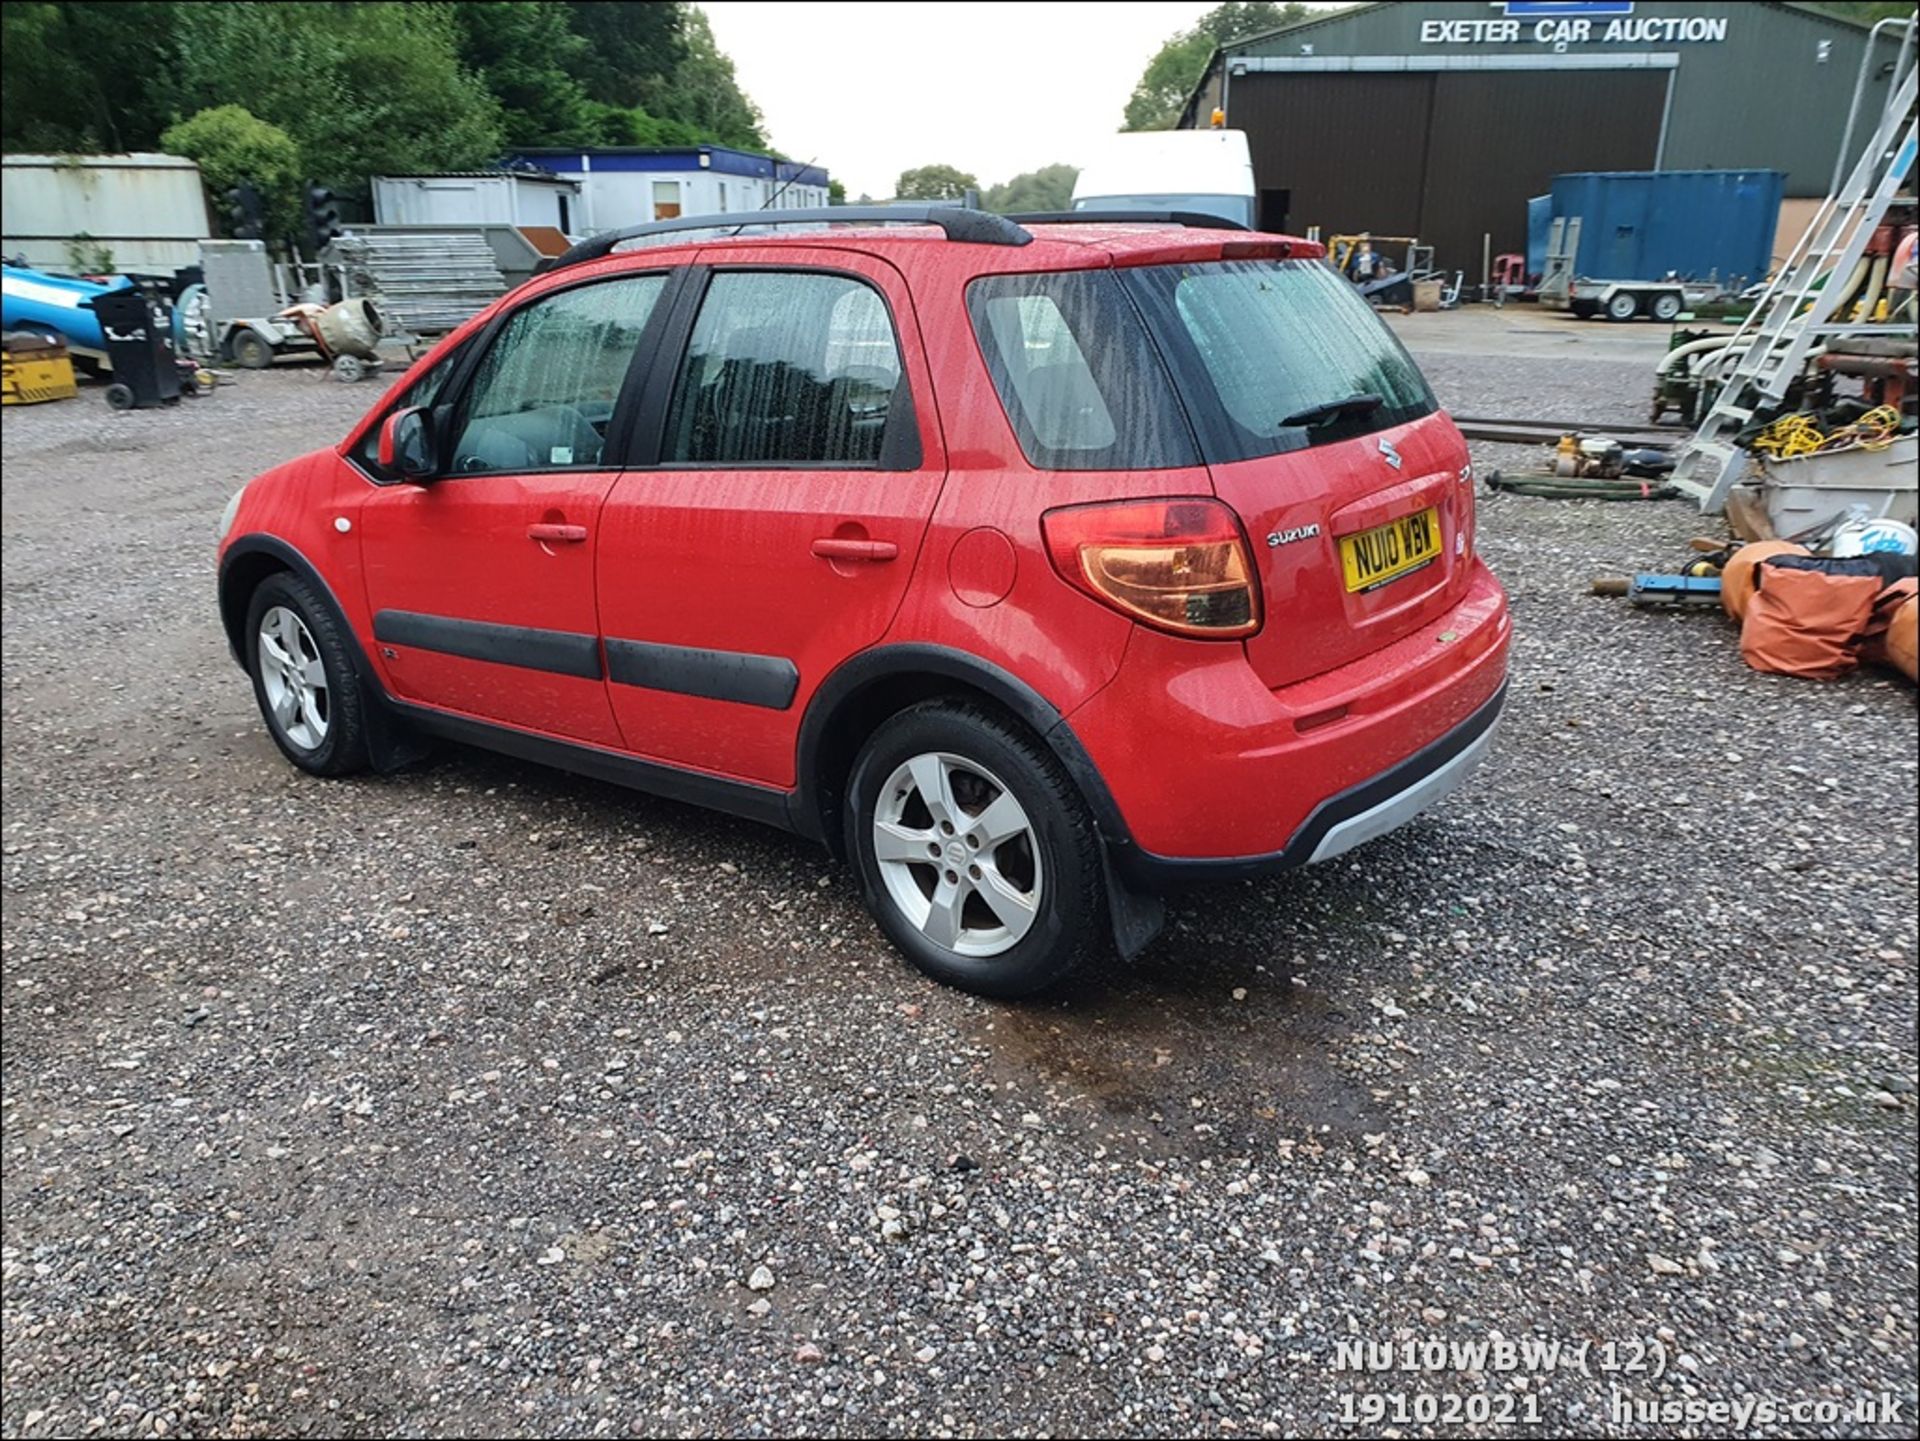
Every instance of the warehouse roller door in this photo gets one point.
(1498, 137)
(1445, 155)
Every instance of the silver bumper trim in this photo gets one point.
(1397, 809)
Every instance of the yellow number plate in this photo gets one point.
(1373, 557)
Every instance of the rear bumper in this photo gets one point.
(1213, 776)
(1341, 822)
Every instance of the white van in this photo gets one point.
(1208, 171)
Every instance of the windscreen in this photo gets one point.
(1276, 355)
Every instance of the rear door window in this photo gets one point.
(1077, 374)
(1253, 343)
(787, 368)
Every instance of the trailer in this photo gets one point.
(1662, 300)
(1652, 244)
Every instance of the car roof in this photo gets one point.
(1073, 246)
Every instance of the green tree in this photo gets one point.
(934, 182)
(704, 92)
(1177, 67)
(633, 49)
(529, 58)
(230, 143)
(364, 89)
(1048, 188)
(836, 192)
(86, 75)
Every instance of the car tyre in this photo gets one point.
(1624, 305)
(1666, 307)
(975, 851)
(250, 350)
(304, 678)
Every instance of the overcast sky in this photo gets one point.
(870, 90)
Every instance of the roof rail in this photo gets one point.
(1198, 220)
(974, 227)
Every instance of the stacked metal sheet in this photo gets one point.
(427, 281)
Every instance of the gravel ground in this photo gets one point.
(483, 1100)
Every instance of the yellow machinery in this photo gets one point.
(1341, 248)
(35, 370)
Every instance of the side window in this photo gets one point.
(786, 368)
(423, 391)
(1080, 380)
(1048, 373)
(543, 394)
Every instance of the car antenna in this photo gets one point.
(782, 190)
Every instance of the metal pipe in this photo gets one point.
(1876, 287)
(1692, 347)
(1486, 263)
(1666, 117)
(1860, 87)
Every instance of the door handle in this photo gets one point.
(834, 548)
(549, 531)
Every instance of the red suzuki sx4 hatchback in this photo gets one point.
(1036, 568)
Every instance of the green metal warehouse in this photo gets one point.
(1439, 120)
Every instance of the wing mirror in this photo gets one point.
(407, 445)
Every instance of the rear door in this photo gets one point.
(1320, 431)
(772, 529)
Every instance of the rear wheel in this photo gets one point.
(120, 396)
(1624, 305)
(303, 678)
(974, 850)
(1666, 307)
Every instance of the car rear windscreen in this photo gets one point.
(1158, 366)
(1256, 344)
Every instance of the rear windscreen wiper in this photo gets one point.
(1363, 403)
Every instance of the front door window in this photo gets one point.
(545, 391)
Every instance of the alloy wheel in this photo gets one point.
(294, 679)
(958, 854)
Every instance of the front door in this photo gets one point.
(774, 532)
(480, 580)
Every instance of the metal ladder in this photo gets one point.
(1796, 310)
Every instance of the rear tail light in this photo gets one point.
(1179, 565)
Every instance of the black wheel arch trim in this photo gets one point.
(233, 611)
(391, 744)
(889, 662)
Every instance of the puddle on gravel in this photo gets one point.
(1162, 1054)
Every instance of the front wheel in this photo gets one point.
(1666, 307)
(974, 850)
(303, 678)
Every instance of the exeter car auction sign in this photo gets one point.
(1607, 22)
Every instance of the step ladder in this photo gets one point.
(1795, 313)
